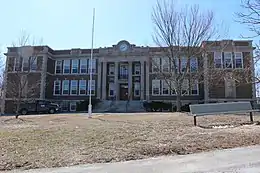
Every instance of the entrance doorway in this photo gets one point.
(123, 92)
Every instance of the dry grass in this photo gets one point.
(63, 140)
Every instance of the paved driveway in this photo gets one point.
(239, 160)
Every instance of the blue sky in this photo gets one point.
(63, 24)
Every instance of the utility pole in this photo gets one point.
(91, 62)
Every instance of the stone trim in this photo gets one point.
(43, 77)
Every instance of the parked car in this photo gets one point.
(39, 106)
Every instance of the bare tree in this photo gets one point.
(179, 33)
(19, 86)
(250, 15)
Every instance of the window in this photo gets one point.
(155, 64)
(65, 106)
(238, 60)
(173, 92)
(65, 87)
(26, 63)
(165, 87)
(57, 87)
(137, 69)
(82, 87)
(229, 86)
(92, 87)
(183, 64)
(185, 87)
(228, 60)
(218, 60)
(83, 65)
(111, 89)
(165, 64)
(92, 64)
(33, 63)
(75, 66)
(58, 66)
(73, 87)
(155, 87)
(17, 66)
(177, 64)
(73, 106)
(137, 89)
(195, 88)
(123, 71)
(66, 66)
(193, 64)
(111, 69)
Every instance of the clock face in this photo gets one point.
(123, 47)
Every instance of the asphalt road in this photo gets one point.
(239, 160)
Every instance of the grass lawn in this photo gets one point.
(63, 140)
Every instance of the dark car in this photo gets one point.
(39, 106)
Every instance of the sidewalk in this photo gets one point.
(239, 160)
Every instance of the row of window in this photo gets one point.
(123, 69)
(75, 66)
(166, 87)
(74, 87)
(228, 60)
(165, 64)
(25, 64)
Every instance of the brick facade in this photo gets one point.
(134, 60)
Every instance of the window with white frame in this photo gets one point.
(82, 87)
(238, 60)
(228, 62)
(185, 87)
(195, 87)
(111, 89)
(173, 88)
(111, 69)
(26, 63)
(155, 64)
(92, 64)
(184, 61)
(65, 87)
(156, 87)
(137, 69)
(177, 64)
(73, 87)
(165, 64)
(165, 87)
(66, 66)
(75, 66)
(123, 71)
(18, 65)
(92, 87)
(137, 88)
(218, 60)
(33, 63)
(73, 106)
(57, 87)
(83, 65)
(58, 66)
(193, 64)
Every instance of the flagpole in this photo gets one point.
(91, 73)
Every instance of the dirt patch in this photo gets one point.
(64, 140)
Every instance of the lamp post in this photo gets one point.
(91, 73)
